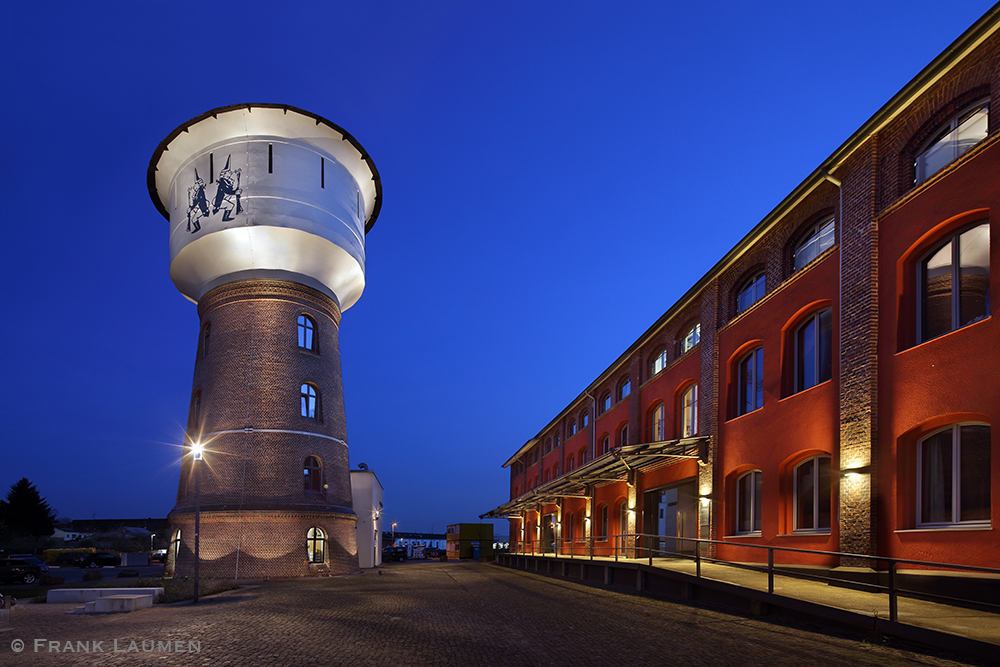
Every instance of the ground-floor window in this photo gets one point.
(812, 495)
(316, 545)
(953, 476)
(748, 503)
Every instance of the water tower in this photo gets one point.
(268, 208)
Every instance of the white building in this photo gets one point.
(367, 492)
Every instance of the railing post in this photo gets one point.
(893, 609)
(770, 570)
(649, 549)
(617, 537)
(697, 559)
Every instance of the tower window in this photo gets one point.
(307, 333)
(312, 475)
(206, 332)
(310, 401)
(316, 545)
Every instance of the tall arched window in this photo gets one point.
(585, 419)
(659, 432)
(312, 474)
(175, 551)
(748, 496)
(751, 382)
(316, 545)
(572, 427)
(569, 463)
(691, 338)
(194, 416)
(814, 350)
(955, 282)
(309, 401)
(812, 495)
(605, 403)
(605, 445)
(602, 522)
(659, 361)
(307, 333)
(623, 436)
(953, 476)
(624, 389)
(689, 412)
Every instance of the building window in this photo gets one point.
(660, 361)
(689, 412)
(748, 503)
(309, 401)
(583, 456)
(961, 133)
(175, 551)
(548, 445)
(624, 389)
(545, 476)
(751, 382)
(569, 463)
(312, 475)
(659, 431)
(812, 495)
(691, 338)
(605, 445)
(953, 476)
(568, 527)
(605, 403)
(206, 332)
(819, 239)
(586, 419)
(814, 350)
(572, 427)
(602, 522)
(194, 416)
(955, 283)
(555, 470)
(307, 333)
(623, 519)
(316, 545)
(750, 293)
(623, 436)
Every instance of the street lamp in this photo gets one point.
(393, 533)
(197, 449)
(151, 536)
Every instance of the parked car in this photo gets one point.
(96, 560)
(160, 556)
(68, 558)
(390, 554)
(34, 561)
(13, 570)
(433, 552)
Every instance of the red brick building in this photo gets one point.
(831, 383)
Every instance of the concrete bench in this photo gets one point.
(78, 595)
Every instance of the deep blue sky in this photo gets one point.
(555, 176)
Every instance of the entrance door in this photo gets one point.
(671, 512)
(548, 533)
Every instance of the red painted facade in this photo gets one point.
(822, 420)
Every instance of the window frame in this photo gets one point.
(316, 537)
(800, 363)
(954, 145)
(691, 338)
(309, 403)
(815, 235)
(623, 436)
(312, 476)
(605, 402)
(954, 239)
(624, 389)
(658, 417)
(659, 362)
(816, 528)
(605, 444)
(757, 353)
(602, 523)
(750, 285)
(757, 483)
(307, 330)
(689, 411)
(956, 479)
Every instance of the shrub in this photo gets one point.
(93, 575)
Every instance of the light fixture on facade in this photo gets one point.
(852, 473)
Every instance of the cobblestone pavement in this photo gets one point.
(432, 614)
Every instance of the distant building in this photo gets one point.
(470, 540)
(367, 492)
(831, 383)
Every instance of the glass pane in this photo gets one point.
(974, 483)
(826, 235)
(938, 155)
(936, 478)
(746, 385)
(744, 492)
(824, 500)
(972, 130)
(825, 345)
(806, 252)
(759, 378)
(805, 345)
(937, 294)
(757, 477)
(805, 482)
(974, 274)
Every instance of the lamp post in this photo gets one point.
(196, 452)
(151, 536)
(393, 533)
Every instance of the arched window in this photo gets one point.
(691, 338)
(689, 412)
(548, 445)
(750, 382)
(953, 476)
(605, 445)
(602, 522)
(814, 350)
(605, 402)
(205, 334)
(312, 475)
(954, 282)
(585, 419)
(309, 401)
(659, 361)
(750, 292)
(572, 427)
(316, 545)
(962, 132)
(175, 551)
(812, 495)
(545, 475)
(659, 430)
(583, 455)
(569, 463)
(816, 241)
(623, 518)
(624, 389)
(194, 416)
(555, 470)
(748, 503)
(307, 333)
(623, 436)
(568, 526)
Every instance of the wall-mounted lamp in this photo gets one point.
(705, 500)
(857, 472)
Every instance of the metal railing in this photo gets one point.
(629, 546)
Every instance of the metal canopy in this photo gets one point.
(611, 467)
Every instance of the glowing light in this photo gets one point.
(197, 450)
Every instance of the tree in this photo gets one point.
(25, 512)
